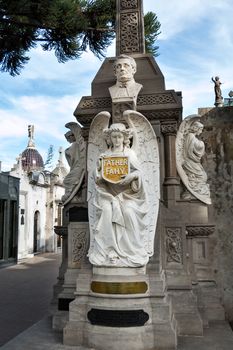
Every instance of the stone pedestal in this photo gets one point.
(120, 308)
(78, 241)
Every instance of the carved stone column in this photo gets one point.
(130, 27)
(171, 181)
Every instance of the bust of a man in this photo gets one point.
(125, 89)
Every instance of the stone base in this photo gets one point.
(123, 308)
(59, 320)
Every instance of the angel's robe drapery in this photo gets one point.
(120, 220)
(194, 149)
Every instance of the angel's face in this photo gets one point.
(199, 131)
(124, 70)
(117, 139)
(71, 138)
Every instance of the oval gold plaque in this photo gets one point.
(119, 287)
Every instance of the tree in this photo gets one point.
(69, 27)
(50, 154)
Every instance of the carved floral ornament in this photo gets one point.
(174, 244)
(79, 245)
(129, 4)
(129, 33)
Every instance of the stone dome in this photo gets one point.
(31, 159)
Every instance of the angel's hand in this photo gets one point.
(99, 164)
(129, 178)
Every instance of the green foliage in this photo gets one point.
(50, 154)
(68, 27)
(152, 30)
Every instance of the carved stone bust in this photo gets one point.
(126, 88)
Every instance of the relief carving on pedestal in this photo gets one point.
(79, 245)
(174, 245)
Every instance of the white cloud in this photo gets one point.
(177, 15)
(196, 43)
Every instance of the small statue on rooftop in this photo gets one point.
(218, 92)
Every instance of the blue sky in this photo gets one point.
(196, 43)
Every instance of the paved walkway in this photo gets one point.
(26, 291)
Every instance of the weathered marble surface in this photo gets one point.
(189, 153)
(123, 215)
(218, 137)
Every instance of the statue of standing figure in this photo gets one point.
(218, 92)
(76, 158)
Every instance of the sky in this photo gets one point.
(196, 43)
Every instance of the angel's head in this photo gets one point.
(196, 127)
(70, 136)
(117, 135)
(124, 68)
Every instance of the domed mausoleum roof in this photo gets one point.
(31, 158)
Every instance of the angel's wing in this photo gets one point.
(75, 128)
(180, 141)
(146, 148)
(96, 146)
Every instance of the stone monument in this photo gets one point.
(137, 265)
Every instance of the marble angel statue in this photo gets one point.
(123, 190)
(76, 158)
(189, 152)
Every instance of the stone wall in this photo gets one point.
(218, 137)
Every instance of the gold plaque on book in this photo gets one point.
(114, 169)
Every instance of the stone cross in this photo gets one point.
(31, 142)
(129, 27)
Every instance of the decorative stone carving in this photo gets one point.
(122, 210)
(199, 231)
(129, 4)
(98, 102)
(189, 152)
(143, 100)
(76, 158)
(163, 115)
(169, 128)
(129, 33)
(155, 99)
(129, 27)
(174, 245)
(78, 243)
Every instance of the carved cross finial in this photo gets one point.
(130, 27)
(31, 142)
